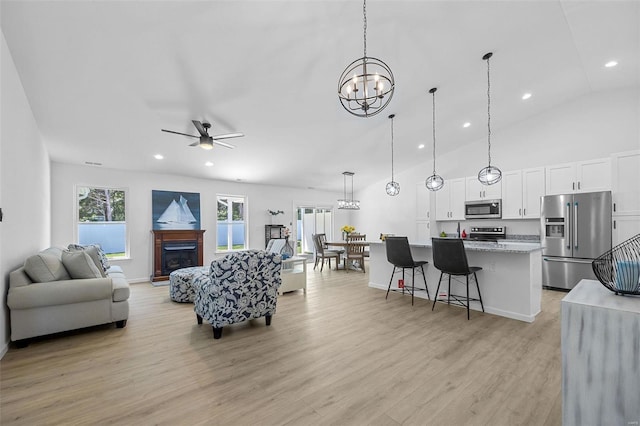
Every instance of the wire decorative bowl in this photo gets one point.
(619, 268)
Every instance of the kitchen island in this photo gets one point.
(510, 281)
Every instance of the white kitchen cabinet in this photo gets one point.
(581, 176)
(450, 200)
(423, 231)
(521, 192)
(423, 196)
(625, 182)
(624, 227)
(477, 191)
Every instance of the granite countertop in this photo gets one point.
(504, 246)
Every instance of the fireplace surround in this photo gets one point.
(175, 249)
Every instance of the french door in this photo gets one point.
(313, 220)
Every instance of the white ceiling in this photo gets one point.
(103, 78)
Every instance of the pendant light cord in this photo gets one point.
(392, 180)
(489, 112)
(364, 13)
(433, 124)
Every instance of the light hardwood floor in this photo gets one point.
(339, 355)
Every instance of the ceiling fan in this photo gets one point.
(206, 141)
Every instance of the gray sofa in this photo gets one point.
(58, 290)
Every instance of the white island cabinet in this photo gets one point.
(510, 282)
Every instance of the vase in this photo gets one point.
(287, 250)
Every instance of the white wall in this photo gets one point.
(24, 183)
(591, 126)
(260, 198)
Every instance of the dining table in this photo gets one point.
(343, 244)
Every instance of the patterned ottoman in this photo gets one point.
(182, 282)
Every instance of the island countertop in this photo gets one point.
(499, 247)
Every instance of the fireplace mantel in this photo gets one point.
(161, 236)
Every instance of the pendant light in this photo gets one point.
(348, 203)
(366, 86)
(393, 187)
(434, 182)
(489, 175)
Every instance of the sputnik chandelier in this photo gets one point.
(366, 86)
(393, 187)
(348, 203)
(489, 175)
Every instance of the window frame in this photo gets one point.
(76, 216)
(245, 200)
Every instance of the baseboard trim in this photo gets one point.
(4, 350)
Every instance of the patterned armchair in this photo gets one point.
(242, 286)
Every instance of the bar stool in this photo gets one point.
(450, 257)
(399, 255)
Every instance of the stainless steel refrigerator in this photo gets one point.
(576, 228)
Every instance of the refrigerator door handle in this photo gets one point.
(567, 260)
(568, 219)
(575, 225)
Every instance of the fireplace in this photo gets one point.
(177, 255)
(175, 249)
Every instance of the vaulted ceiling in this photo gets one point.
(103, 78)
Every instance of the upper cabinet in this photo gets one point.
(625, 171)
(422, 202)
(477, 191)
(450, 200)
(581, 176)
(521, 192)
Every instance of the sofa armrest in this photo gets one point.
(59, 293)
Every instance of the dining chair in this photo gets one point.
(399, 255)
(323, 254)
(323, 241)
(450, 257)
(355, 251)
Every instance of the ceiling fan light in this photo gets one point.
(434, 182)
(206, 144)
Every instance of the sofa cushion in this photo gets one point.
(44, 267)
(80, 265)
(96, 254)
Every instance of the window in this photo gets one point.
(232, 225)
(102, 219)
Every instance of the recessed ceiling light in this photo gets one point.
(208, 164)
(158, 156)
(526, 96)
(421, 146)
(611, 64)
(467, 124)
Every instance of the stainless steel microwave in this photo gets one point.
(483, 209)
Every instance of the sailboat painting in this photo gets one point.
(175, 210)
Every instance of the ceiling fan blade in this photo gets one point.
(228, 135)
(195, 143)
(178, 133)
(200, 128)
(226, 145)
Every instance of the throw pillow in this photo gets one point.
(101, 255)
(44, 267)
(80, 265)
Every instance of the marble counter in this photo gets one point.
(500, 247)
(600, 357)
